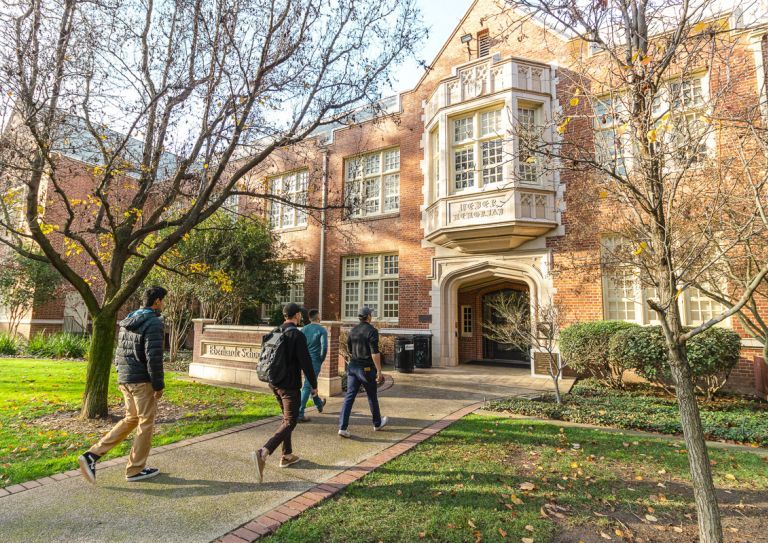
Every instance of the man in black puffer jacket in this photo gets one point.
(139, 361)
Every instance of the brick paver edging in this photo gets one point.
(29, 485)
(268, 522)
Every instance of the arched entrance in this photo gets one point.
(458, 303)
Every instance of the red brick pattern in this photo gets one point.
(271, 520)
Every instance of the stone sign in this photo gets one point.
(242, 353)
(481, 208)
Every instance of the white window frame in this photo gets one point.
(473, 144)
(295, 292)
(527, 172)
(467, 324)
(641, 313)
(294, 187)
(369, 192)
(373, 274)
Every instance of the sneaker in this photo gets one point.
(288, 460)
(304, 419)
(382, 424)
(260, 459)
(146, 473)
(87, 463)
(345, 433)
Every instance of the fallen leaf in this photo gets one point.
(502, 533)
(730, 476)
(527, 540)
(529, 528)
(605, 536)
(618, 532)
(651, 518)
(422, 535)
(527, 486)
(677, 529)
(471, 524)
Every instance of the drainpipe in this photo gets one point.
(321, 281)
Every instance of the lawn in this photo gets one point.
(489, 478)
(642, 407)
(40, 433)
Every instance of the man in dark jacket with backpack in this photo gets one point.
(139, 361)
(289, 360)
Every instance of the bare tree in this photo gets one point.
(167, 106)
(515, 326)
(649, 143)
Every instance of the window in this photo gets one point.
(372, 184)
(466, 321)
(483, 43)
(295, 291)
(611, 143)
(372, 281)
(626, 298)
(476, 137)
(699, 308)
(290, 187)
(526, 141)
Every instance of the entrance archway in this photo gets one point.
(458, 279)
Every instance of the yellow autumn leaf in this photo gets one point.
(642, 247)
(603, 194)
(651, 135)
(562, 126)
(574, 101)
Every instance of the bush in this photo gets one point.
(9, 345)
(584, 347)
(643, 349)
(711, 356)
(59, 345)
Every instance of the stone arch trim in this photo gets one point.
(449, 284)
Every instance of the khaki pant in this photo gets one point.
(140, 409)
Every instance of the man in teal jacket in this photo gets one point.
(317, 341)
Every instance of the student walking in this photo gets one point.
(293, 354)
(364, 369)
(139, 361)
(317, 342)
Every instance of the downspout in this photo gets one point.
(321, 280)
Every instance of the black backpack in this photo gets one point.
(273, 365)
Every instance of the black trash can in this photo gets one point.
(422, 351)
(404, 354)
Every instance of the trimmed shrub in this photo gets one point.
(9, 345)
(643, 349)
(584, 347)
(59, 345)
(711, 356)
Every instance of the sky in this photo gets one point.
(440, 18)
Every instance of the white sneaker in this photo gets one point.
(384, 421)
(345, 434)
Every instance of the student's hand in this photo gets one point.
(158, 394)
(380, 379)
(314, 392)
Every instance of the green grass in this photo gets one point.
(30, 389)
(642, 407)
(469, 482)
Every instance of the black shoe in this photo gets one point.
(146, 473)
(319, 403)
(87, 463)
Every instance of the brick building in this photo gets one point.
(445, 220)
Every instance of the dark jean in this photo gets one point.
(288, 398)
(356, 376)
(306, 391)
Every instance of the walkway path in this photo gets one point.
(209, 485)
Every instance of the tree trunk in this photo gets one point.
(95, 397)
(708, 513)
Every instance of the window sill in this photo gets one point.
(367, 218)
(289, 229)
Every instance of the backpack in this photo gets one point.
(273, 366)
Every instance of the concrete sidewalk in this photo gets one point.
(209, 485)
